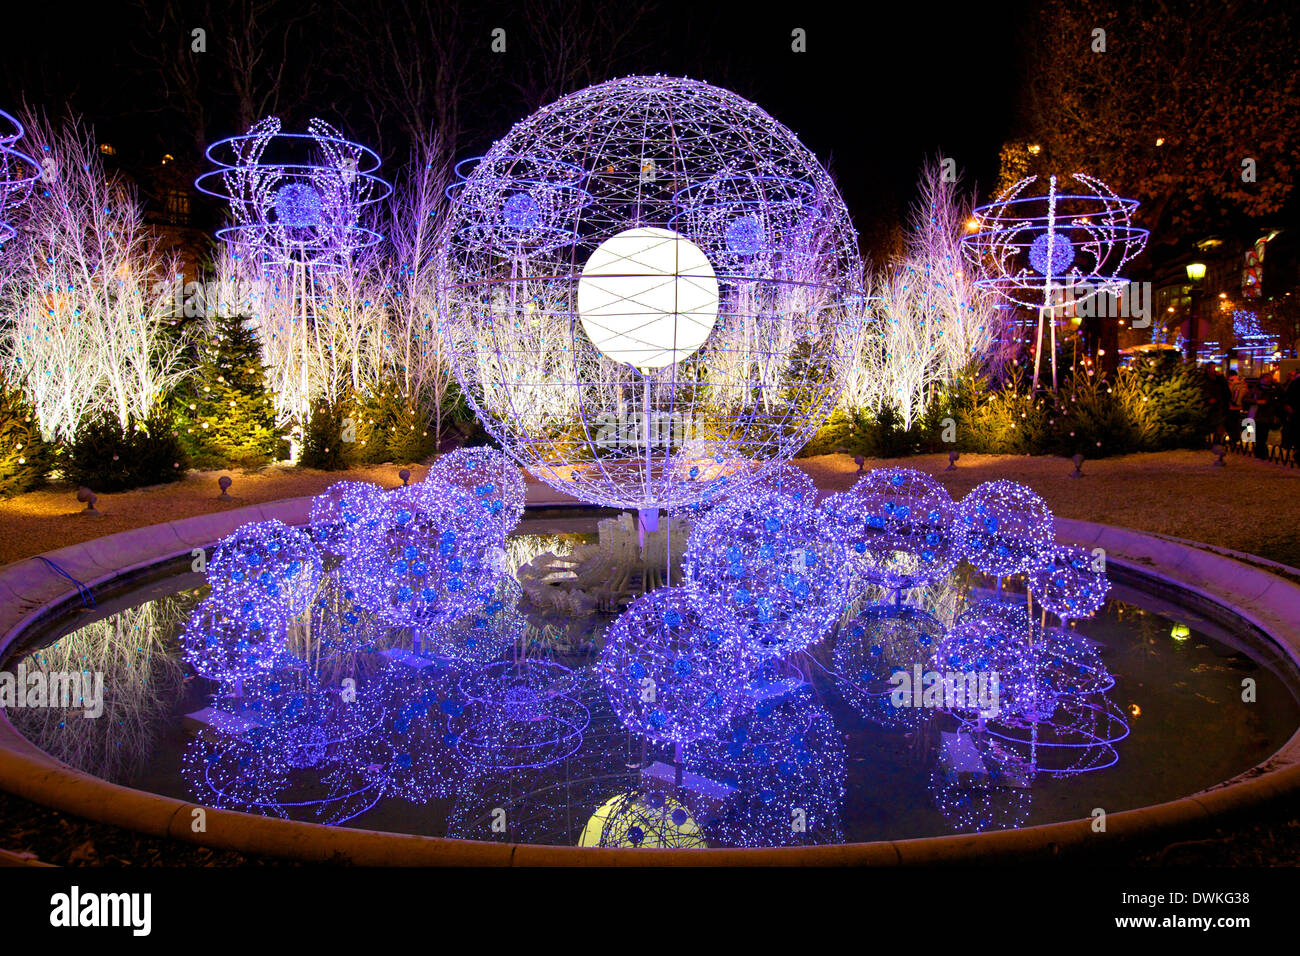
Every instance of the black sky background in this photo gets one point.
(879, 89)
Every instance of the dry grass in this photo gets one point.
(1248, 506)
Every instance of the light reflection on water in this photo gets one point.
(528, 749)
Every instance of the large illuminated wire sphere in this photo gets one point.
(417, 566)
(761, 553)
(1042, 233)
(1069, 584)
(640, 264)
(1007, 528)
(296, 198)
(495, 481)
(898, 526)
(17, 171)
(674, 665)
(643, 820)
(269, 565)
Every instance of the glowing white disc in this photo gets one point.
(648, 297)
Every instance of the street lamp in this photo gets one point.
(1196, 273)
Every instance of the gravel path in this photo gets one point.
(1247, 506)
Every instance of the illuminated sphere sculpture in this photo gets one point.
(343, 512)
(760, 552)
(1068, 585)
(1007, 528)
(871, 646)
(1037, 235)
(417, 567)
(673, 665)
(495, 481)
(295, 198)
(991, 637)
(644, 820)
(642, 264)
(268, 565)
(17, 171)
(232, 643)
(898, 526)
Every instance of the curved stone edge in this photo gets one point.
(27, 587)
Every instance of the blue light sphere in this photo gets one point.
(1062, 254)
(520, 211)
(745, 236)
(232, 643)
(270, 564)
(495, 482)
(761, 552)
(1068, 584)
(995, 638)
(674, 665)
(416, 567)
(298, 206)
(898, 527)
(1007, 528)
(341, 513)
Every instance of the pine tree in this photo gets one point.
(226, 414)
(25, 458)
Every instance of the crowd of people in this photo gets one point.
(1271, 402)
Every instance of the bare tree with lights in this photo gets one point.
(87, 306)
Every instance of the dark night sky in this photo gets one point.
(879, 88)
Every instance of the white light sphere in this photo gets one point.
(640, 265)
(647, 297)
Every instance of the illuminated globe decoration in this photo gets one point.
(898, 526)
(630, 269)
(298, 206)
(1007, 528)
(295, 198)
(643, 820)
(267, 566)
(1051, 254)
(417, 566)
(483, 633)
(760, 552)
(232, 643)
(343, 512)
(1068, 584)
(17, 171)
(495, 481)
(673, 665)
(1040, 235)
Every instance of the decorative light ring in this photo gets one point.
(529, 205)
(18, 172)
(296, 198)
(1025, 245)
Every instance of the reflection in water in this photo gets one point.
(142, 682)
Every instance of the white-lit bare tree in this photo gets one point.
(86, 306)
